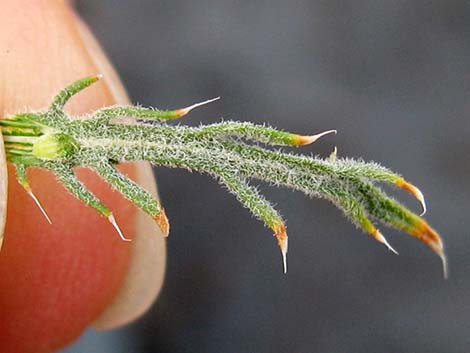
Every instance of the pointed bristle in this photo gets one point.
(284, 261)
(445, 267)
(380, 237)
(439, 250)
(112, 220)
(333, 155)
(43, 211)
(306, 140)
(282, 240)
(413, 190)
(183, 111)
(162, 220)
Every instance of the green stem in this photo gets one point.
(54, 141)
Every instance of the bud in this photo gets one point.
(55, 146)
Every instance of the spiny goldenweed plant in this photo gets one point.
(54, 141)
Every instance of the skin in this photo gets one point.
(55, 280)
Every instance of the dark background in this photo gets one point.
(394, 78)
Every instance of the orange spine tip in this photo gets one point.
(301, 140)
(413, 190)
(427, 235)
(280, 233)
(422, 231)
(162, 220)
(183, 111)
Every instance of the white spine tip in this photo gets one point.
(284, 243)
(43, 211)
(391, 248)
(112, 220)
(420, 197)
(384, 241)
(186, 110)
(313, 138)
(99, 76)
(416, 193)
(445, 267)
(333, 154)
(284, 261)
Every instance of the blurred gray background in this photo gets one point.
(394, 78)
